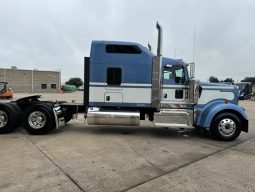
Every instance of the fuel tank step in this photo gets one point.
(173, 117)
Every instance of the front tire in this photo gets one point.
(225, 127)
(39, 119)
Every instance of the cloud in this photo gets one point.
(51, 35)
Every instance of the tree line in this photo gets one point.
(214, 79)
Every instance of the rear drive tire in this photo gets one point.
(39, 119)
(18, 113)
(8, 121)
(225, 127)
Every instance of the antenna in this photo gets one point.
(194, 45)
(149, 46)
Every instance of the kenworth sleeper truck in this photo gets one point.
(125, 83)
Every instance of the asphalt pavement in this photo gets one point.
(113, 158)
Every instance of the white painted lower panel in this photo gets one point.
(210, 95)
(113, 97)
(170, 95)
(129, 95)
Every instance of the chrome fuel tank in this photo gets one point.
(96, 116)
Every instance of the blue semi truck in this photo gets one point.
(124, 84)
(245, 90)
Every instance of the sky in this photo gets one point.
(56, 35)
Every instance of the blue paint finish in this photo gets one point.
(206, 113)
(136, 68)
(170, 61)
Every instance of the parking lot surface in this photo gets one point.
(113, 158)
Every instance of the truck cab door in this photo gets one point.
(113, 89)
(174, 110)
(175, 90)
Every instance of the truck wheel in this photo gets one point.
(39, 119)
(18, 113)
(225, 127)
(8, 120)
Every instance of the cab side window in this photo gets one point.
(168, 74)
(179, 73)
(175, 73)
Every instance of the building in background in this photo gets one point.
(31, 81)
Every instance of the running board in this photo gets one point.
(174, 117)
(172, 125)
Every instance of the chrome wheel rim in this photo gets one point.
(37, 120)
(227, 127)
(3, 119)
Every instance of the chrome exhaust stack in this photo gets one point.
(156, 73)
(160, 35)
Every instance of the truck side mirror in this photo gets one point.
(192, 70)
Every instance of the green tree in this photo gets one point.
(76, 81)
(229, 80)
(213, 79)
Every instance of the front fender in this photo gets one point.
(207, 113)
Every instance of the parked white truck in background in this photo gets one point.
(125, 83)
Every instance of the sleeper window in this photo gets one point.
(123, 49)
(114, 76)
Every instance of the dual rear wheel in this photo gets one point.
(10, 117)
(37, 119)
